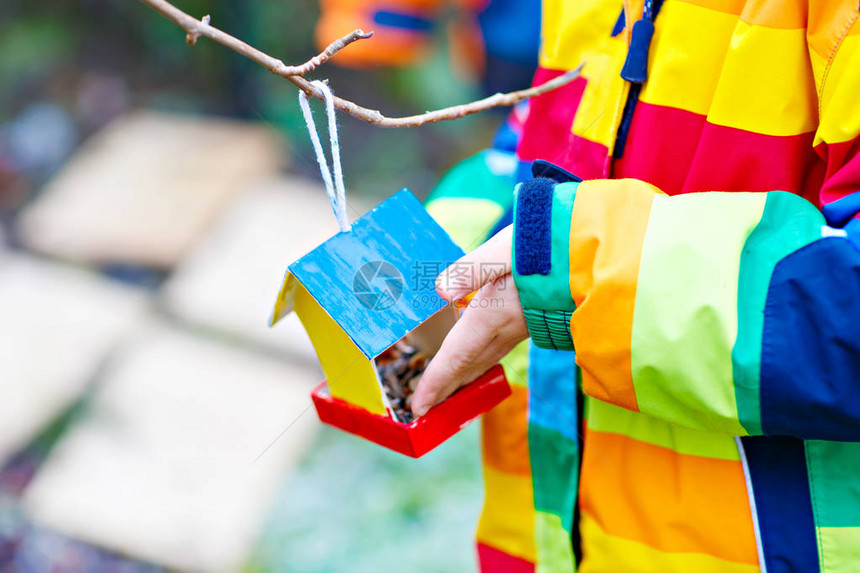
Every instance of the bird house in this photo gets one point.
(367, 299)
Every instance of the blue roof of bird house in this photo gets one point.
(377, 279)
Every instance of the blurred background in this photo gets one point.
(151, 196)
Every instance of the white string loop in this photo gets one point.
(335, 190)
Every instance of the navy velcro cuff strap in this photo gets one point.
(533, 237)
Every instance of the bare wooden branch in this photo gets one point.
(194, 29)
(331, 50)
(191, 37)
(496, 100)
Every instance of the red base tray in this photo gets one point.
(428, 431)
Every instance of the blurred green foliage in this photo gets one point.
(353, 506)
(50, 48)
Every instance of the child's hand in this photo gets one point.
(490, 327)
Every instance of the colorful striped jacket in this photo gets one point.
(707, 274)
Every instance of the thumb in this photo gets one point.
(482, 266)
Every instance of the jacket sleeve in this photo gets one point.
(730, 312)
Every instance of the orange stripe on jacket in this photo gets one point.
(610, 553)
(726, 6)
(770, 13)
(603, 322)
(505, 434)
(775, 14)
(826, 25)
(648, 493)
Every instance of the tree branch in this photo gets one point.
(194, 29)
(331, 50)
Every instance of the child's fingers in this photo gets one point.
(482, 266)
(455, 363)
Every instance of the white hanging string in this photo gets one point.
(335, 189)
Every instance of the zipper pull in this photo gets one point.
(635, 68)
(542, 168)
